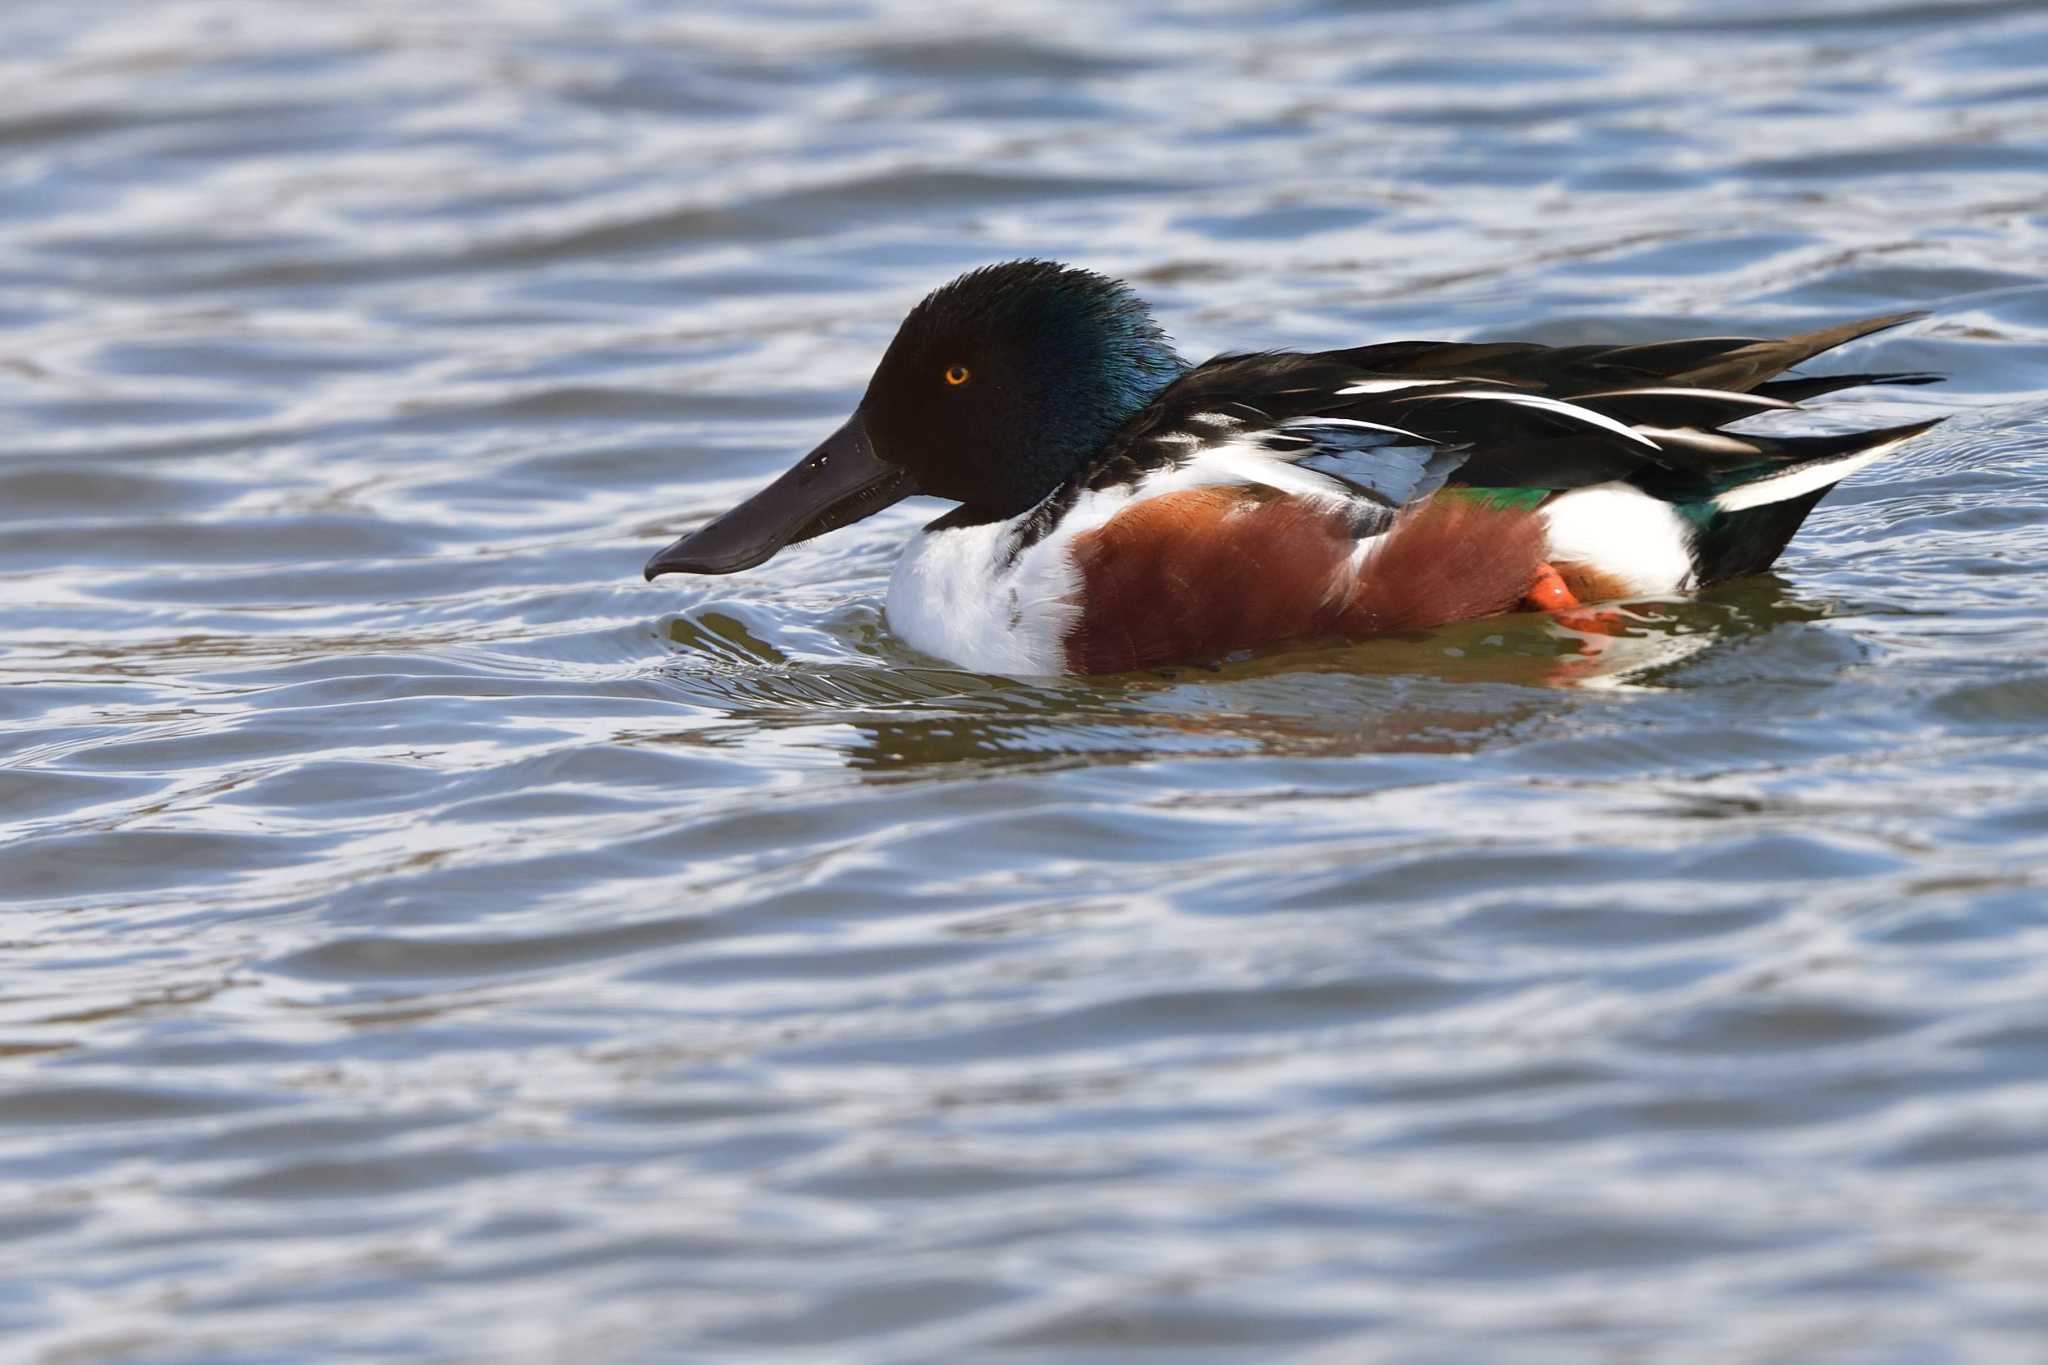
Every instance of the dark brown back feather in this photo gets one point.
(1747, 366)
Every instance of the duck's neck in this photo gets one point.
(1149, 364)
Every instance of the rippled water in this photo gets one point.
(425, 938)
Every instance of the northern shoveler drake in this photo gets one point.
(1120, 508)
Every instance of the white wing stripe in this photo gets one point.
(1392, 385)
(1246, 461)
(1701, 440)
(1757, 400)
(1562, 409)
(1354, 422)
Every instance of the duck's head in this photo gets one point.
(998, 388)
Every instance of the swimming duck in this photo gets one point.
(1119, 508)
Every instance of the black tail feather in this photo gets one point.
(1729, 544)
(1735, 544)
(1747, 366)
(1805, 387)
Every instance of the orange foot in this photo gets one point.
(1549, 592)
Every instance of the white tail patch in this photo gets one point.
(1624, 533)
(1805, 478)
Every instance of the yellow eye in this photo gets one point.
(956, 375)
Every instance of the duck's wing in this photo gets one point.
(1735, 364)
(1555, 418)
(1394, 421)
(1274, 423)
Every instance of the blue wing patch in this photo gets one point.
(1386, 464)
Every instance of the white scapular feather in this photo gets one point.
(1554, 405)
(1353, 422)
(1392, 385)
(1697, 439)
(1755, 400)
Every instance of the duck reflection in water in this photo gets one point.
(1457, 689)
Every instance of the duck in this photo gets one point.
(1118, 508)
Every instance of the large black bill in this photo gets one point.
(837, 484)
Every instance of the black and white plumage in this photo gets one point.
(1500, 415)
(1614, 465)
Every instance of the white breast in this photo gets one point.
(960, 595)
